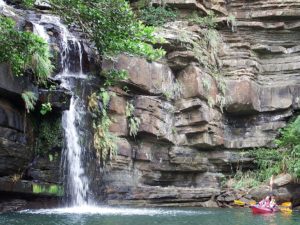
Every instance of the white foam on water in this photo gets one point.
(94, 210)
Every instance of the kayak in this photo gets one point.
(256, 209)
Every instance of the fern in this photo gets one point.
(133, 121)
(42, 66)
(29, 99)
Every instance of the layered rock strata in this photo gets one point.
(195, 125)
(186, 144)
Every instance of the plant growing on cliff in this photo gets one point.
(247, 179)
(231, 21)
(157, 16)
(133, 121)
(284, 158)
(45, 108)
(172, 92)
(110, 24)
(208, 21)
(24, 50)
(113, 76)
(29, 99)
(104, 140)
(205, 48)
(49, 135)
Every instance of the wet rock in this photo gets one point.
(41, 4)
(12, 86)
(30, 188)
(59, 99)
(12, 205)
(46, 169)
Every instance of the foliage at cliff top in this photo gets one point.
(157, 16)
(110, 24)
(24, 50)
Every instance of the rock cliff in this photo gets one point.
(195, 125)
(189, 138)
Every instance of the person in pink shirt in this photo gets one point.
(265, 202)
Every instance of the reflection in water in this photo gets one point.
(270, 218)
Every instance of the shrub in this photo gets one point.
(24, 50)
(284, 158)
(110, 24)
(157, 16)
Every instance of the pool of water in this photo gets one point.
(129, 216)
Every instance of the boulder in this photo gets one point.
(150, 77)
(196, 83)
(282, 179)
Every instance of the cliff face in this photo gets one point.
(186, 144)
(195, 125)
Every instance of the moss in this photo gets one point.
(55, 190)
(49, 135)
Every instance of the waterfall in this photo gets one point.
(76, 181)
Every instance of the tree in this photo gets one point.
(110, 24)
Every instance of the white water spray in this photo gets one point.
(2, 3)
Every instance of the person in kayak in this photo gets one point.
(265, 202)
(273, 203)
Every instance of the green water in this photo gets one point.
(110, 216)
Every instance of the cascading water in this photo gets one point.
(77, 183)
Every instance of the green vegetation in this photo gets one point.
(206, 51)
(54, 190)
(113, 76)
(285, 158)
(29, 99)
(246, 179)
(231, 21)
(110, 24)
(206, 83)
(133, 121)
(114, 28)
(174, 92)
(208, 21)
(46, 107)
(157, 16)
(49, 135)
(104, 140)
(24, 51)
(206, 48)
